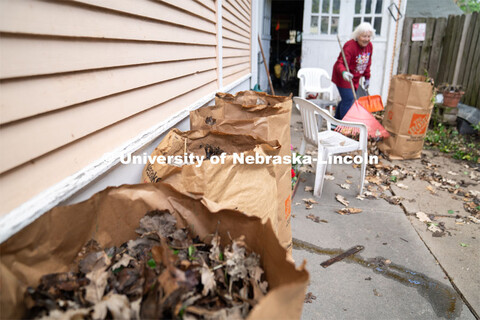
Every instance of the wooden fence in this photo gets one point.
(449, 54)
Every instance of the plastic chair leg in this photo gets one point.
(303, 146)
(364, 168)
(320, 172)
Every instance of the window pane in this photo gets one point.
(325, 6)
(378, 25)
(358, 6)
(315, 6)
(324, 28)
(378, 8)
(314, 25)
(368, 6)
(367, 19)
(334, 27)
(356, 22)
(336, 6)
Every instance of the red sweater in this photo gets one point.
(359, 60)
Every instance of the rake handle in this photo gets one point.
(346, 66)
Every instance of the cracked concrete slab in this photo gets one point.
(385, 232)
(354, 288)
(419, 198)
(461, 263)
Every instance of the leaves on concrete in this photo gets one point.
(309, 297)
(316, 218)
(309, 203)
(437, 229)
(350, 210)
(342, 200)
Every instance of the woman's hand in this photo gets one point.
(347, 76)
(366, 84)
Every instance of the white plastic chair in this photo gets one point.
(329, 142)
(311, 81)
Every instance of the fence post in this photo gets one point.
(461, 48)
(405, 46)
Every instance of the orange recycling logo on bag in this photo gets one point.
(288, 207)
(419, 124)
(390, 115)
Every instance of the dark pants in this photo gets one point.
(347, 100)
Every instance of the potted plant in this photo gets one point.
(451, 95)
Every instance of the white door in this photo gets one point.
(324, 19)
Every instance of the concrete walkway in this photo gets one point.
(395, 276)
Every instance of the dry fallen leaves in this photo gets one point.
(346, 211)
(342, 200)
(165, 273)
(309, 297)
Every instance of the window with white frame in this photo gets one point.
(325, 16)
(369, 11)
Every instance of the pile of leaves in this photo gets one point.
(163, 274)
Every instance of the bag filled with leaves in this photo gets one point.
(193, 263)
(407, 115)
(263, 116)
(250, 188)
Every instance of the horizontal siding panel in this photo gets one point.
(242, 8)
(228, 71)
(65, 161)
(210, 4)
(55, 92)
(226, 25)
(48, 132)
(234, 61)
(227, 34)
(229, 52)
(29, 56)
(228, 16)
(46, 18)
(234, 77)
(227, 43)
(154, 10)
(236, 12)
(247, 4)
(193, 8)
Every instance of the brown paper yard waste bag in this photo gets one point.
(52, 242)
(264, 116)
(406, 118)
(227, 183)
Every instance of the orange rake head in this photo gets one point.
(358, 113)
(371, 103)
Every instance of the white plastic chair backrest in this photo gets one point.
(309, 112)
(311, 81)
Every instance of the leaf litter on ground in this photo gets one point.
(349, 210)
(164, 273)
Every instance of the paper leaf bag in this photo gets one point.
(51, 243)
(250, 188)
(407, 114)
(264, 116)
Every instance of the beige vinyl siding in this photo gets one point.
(80, 78)
(236, 38)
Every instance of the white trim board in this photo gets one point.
(32, 209)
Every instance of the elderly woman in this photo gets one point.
(358, 53)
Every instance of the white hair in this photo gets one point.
(362, 28)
